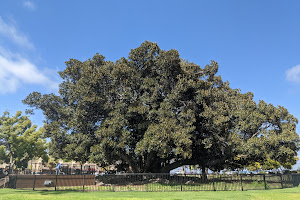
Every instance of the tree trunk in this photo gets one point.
(132, 164)
(204, 174)
(11, 162)
(149, 159)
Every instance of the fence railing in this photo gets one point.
(154, 182)
(64, 170)
(4, 181)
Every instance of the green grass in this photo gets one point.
(290, 193)
(158, 187)
(171, 187)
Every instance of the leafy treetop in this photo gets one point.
(153, 112)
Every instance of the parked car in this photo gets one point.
(259, 171)
(273, 171)
(231, 172)
(244, 172)
(179, 173)
(104, 173)
(288, 171)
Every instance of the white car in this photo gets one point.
(244, 172)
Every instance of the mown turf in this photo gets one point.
(280, 194)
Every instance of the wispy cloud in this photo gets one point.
(17, 71)
(29, 5)
(9, 31)
(293, 74)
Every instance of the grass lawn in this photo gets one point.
(290, 193)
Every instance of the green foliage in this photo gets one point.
(254, 166)
(20, 140)
(270, 164)
(4, 157)
(154, 111)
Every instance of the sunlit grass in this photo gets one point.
(290, 193)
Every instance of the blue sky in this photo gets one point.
(256, 43)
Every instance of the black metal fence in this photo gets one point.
(154, 182)
(38, 168)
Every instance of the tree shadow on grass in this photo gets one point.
(41, 192)
(46, 192)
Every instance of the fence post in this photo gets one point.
(83, 182)
(241, 183)
(265, 181)
(225, 181)
(147, 182)
(281, 181)
(181, 181)
(55, 181)
(214, 183)
(6, 180)
(16, 181)
(34, 182)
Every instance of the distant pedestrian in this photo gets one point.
(58, 167)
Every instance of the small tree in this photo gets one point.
(19, 140)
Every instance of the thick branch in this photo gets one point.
(132, 165)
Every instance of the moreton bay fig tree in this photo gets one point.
(153, 112)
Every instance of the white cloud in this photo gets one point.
(16, 71)
(9, 31)
(29, 5)
(293, 74)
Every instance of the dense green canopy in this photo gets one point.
(154, 111)
(19, 140)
